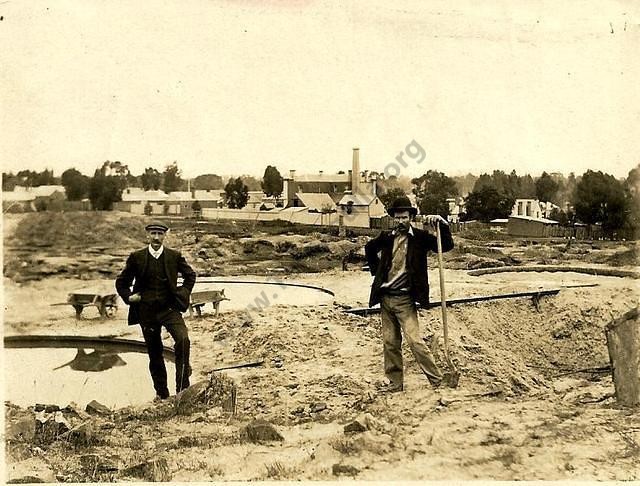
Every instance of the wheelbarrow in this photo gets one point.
(107, 304)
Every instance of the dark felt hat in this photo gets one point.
(157, 226)
(401, 204)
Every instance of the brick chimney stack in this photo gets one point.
(355, 171)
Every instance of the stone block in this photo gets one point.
(260, 431)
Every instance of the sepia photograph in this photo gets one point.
(320, 240)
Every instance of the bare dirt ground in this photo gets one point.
(521, 411)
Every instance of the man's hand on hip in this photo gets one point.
(134, 298)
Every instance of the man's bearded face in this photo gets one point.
(402, 221)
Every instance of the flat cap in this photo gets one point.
(157, 226)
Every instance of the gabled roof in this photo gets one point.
(43, 191)
(180, 196)
(537, 220)
(136, 195)
(322, 178)
(19, 196)
(315, 200)
(134, 190)
(549, 205)
(211, 195)
(293, 209)
(38, 191)
(255, 196)
(21, 193)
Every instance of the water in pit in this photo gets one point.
(254, 293)
(60, 376)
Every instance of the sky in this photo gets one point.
(229, 87)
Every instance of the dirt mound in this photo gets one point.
(45, 244)
(624, 257)
(78, 230)
(507, 345)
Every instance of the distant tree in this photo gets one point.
(116, 168)
(133, 180)
(546, 188)
(272, 182)
(45, 178)
(567, 189)
(107, 184)
(76, 185)
(560, 216)
(432, 190)
(26, 178)
(632, 194)
(487, 203)
(103, 192)
(600, 198)
(465, 183)
(526, 187)
(252, 183)
(9, 181)
(31, 178)
(236, 193)
(151, 179)
(208, 182)
(171, 180)
(483, 181)
(393, 182)
(391, 195)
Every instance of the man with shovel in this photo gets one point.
(398, 262)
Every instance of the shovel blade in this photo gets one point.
(453, 379)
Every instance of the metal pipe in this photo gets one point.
(282, 284)
(365, 311)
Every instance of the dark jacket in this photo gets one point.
(174, 264)
(417, 247)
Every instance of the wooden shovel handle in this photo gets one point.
(443, 297)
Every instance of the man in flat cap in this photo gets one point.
(398, 261)
(156, 300)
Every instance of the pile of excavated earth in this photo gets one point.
(535, 398)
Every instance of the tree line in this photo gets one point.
(111, 179)
(592, 198)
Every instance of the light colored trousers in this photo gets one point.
(399, 313)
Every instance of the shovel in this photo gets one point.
(453, 376)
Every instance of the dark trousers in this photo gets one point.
(151, 323)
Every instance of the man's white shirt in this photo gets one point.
(156, 253)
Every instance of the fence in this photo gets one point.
(592, 233)
(291, 215)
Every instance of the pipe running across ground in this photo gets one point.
(603, 272)
(536, 294)
(205, 280)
